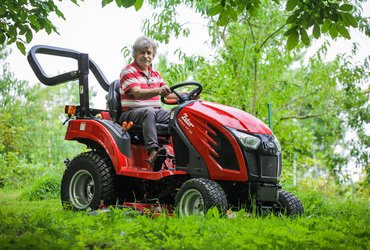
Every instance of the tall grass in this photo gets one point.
(45, 188)
(330, 222)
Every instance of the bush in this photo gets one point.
(45, 188)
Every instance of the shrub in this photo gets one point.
(45, 188)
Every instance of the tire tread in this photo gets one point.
(290, 203)
(103, 166)
(215, 195)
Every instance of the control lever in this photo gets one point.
(126, 126)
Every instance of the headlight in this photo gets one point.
(247, 140)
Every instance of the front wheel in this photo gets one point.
(88, 179)
(289, 204)
(197, 196)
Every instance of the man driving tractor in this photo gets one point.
(141, 88)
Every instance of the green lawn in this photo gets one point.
(329, 223)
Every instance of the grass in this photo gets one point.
(329, 223)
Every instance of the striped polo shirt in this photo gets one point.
(132, 76)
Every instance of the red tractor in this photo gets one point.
(215, 155)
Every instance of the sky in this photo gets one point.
(103, 32)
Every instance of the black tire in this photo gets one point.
(88, 179)
(289, 204)
(197, 196)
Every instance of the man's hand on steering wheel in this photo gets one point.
(183, 97)
(164, 91)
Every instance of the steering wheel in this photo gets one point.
(183, 97)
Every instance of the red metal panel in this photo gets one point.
(133, 166)
(196, 127)
(230, 117)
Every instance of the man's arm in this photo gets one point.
(139, 93)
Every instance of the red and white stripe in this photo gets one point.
(132, 76)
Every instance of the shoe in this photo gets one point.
(157, 161)
(151, 161)
(152, 156)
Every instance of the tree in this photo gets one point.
(31, 138)
(314, 104)
(19, 19)
(323, 16)
(251, 56)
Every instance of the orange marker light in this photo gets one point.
(70, 109)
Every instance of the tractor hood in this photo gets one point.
(229, 117)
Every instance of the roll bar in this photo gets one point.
(69, 76)
(84, 66)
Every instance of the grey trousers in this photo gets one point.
(147, 117)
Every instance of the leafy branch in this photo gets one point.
(301, 117)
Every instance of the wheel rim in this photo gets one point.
(81, 189)
(191, 202)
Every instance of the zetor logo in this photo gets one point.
(186, 119)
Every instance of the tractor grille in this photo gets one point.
(269, 166)
(252, 164)
(263, 165)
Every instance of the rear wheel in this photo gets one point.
(88, 179)
(197, 196)
(289, 204)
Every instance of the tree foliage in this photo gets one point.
(300, 16)
(314, 104)
(333, 17)
(31, 138)
(19, 19)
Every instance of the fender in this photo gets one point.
(102, 132)
(97, 133)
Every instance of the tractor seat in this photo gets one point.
(114, 105)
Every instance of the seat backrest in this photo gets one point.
(114, 101)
